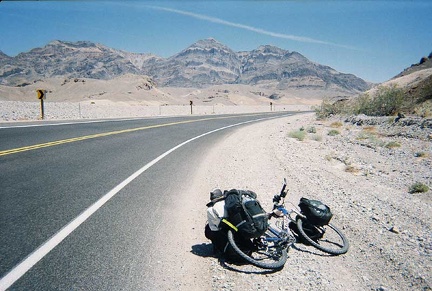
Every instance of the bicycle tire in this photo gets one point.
(268, 260)
(337, 245)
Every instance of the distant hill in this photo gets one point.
(416, 82)
(425, 63)
(410, 92)
(203, 64)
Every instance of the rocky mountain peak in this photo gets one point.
(270, 49)
(208, 43)
(77, 44)
(3, 55)
(205, 46)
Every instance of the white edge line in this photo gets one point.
(19, 270)
(78, 122)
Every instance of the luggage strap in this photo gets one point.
(229, 224)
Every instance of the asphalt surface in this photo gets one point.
(51, 173)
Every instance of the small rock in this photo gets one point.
(394, 229)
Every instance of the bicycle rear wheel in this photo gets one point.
(328, 238)
(267, 255)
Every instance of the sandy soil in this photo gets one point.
(364, 182)
(141, 90)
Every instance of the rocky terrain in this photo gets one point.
(364, 174)
(204, 63)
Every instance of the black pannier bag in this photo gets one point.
(245, 213)
(316, 212)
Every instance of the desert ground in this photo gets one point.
(138, 96)
(364, 181)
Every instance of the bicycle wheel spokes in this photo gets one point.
(331, 239)
(328, 238)
(268, 255)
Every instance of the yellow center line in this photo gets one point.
(69, 140)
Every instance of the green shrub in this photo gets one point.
(362, 105)
(333, 132)
(316, 137)
(418, 187)
(299, 134)
(329, 108)
(365, 135)
(392, 144)
(311, 129)
(387, 101)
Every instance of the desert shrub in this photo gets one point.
(298, 134)
(311, 129)
(392, 144)
(329, 108)
(336, 124)
(330, 156)
(363, 135)
(387, 101)
(391, 120)
(366, 135)
(316, 137)
(371, 137)
(418, 187)
(333, 132)
(362, 105)
(424, 109)
(274, 96)
(352, 169)
(421, 154)
(369, 128)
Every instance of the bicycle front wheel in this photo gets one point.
(267, 255)
(328, 238)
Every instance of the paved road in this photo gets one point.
(51, 176)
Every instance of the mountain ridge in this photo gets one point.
(204, 63)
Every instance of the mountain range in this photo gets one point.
(203, 64)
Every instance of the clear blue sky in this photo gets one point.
(374, 40)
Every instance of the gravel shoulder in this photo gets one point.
(365, 182)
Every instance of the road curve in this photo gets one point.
(78, 200)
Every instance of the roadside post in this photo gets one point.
(191, 104)
(271, 106)
(41, 95)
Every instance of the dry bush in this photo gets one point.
(298, 134)
(418, 187)
(333, 132)
(336, 124)
(392, 144)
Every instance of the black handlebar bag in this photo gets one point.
(315, 211)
